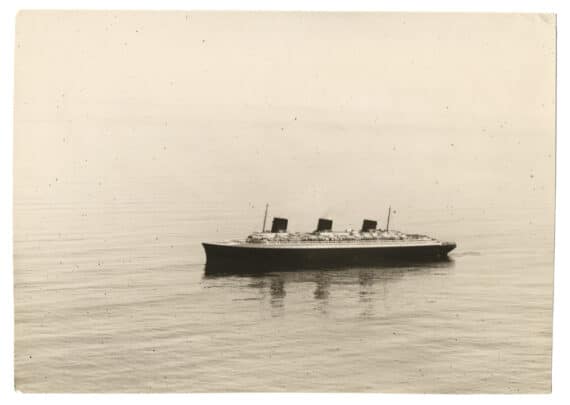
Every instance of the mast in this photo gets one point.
(388, 221)
(265, 217)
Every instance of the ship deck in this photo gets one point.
(387, 243)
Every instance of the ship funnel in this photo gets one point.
(324, 225)
(279, 225)
(369, 225)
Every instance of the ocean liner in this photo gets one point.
(280, 249)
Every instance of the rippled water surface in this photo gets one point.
(116, 299)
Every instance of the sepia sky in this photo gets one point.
(318, 109)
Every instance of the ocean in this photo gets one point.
(111, 296)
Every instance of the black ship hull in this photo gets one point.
(238, 258)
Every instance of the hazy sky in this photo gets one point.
(305, 110)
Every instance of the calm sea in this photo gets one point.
(112, 296)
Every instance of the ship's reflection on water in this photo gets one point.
(364, 283)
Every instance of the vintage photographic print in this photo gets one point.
(284, 202)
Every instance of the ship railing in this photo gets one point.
(305, 241)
